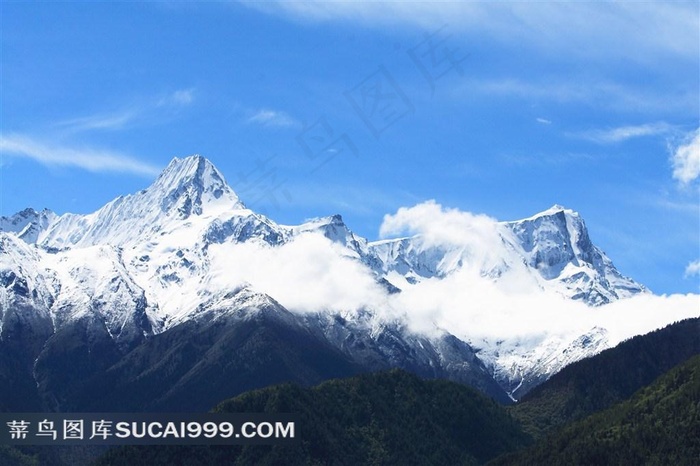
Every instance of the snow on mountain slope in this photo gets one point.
(455, 287)
(28, 224)
(335, 230)
(481, 279)
(188, 191)
(93, 281)
(519, 366)
(549, 251)
(26, 295)
(380, 344)
(150, 246)
(556, 244)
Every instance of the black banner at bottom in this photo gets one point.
(147, 429)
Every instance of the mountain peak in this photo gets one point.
(188, 187)
(28, 223)
(556, 209)
(187, 184)
(195, 169)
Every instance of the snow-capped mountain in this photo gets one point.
(552, 248)
(556, 244)
(28, 224)
(188, 193)
(178, 254)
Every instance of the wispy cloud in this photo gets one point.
(180, 97)
(692, 269)
(95, 160)
(139, 112)
(442, 302)
(598, 93)
(686, 158)
(276, 118)
(623, 133)
(544, 121)
(630, 30)
(75, 154)
(545, 159)
(97, 122)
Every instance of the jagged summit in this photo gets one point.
(18, 221)
(334, 228)
(194, 170)
(190, 206)
(188, 185)
(557, 244)
(187, 166)
(28, 224)
(179, 250)
(556, 209)
(329, 221)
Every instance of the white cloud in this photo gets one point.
(268, 117)
(312, 274)
(464, 237)
(437, 224)
(91, 159)
(603, 93)
(477, 308)
(181, 97)
(139, 112)
(629, 30)
(692, 269)
(309, 274)
(544, 121)
(686, 159)
(623, 133)
(108, 122)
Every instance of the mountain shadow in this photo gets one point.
(391, 418)
(195, 364)
(596, 383)
(659, 425)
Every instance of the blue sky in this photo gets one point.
(310, 109)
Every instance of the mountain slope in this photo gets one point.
(188, 188)
(552, 248)
(384, 418)
(13, 457)
(28, 224)
(378, 346)
(239, 341)
(599, 382)
(95, 287)
(556, 244)
(248, 342)
(660, 424)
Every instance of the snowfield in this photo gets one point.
(528, 296)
